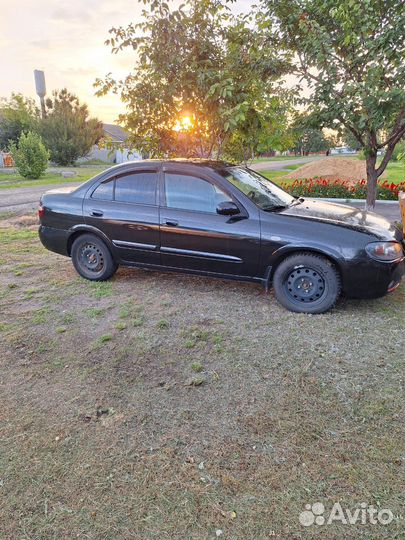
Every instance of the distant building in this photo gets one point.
(116, 136)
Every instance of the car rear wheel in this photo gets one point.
(307, 283)
(92, 259)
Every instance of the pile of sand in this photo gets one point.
(332, 168)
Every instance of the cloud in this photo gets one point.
(41, 43)
(80, 72)
(72, 15)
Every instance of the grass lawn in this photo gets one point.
(53, 176)
(395, 172)
(164, 406)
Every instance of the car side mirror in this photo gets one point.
(227, 208)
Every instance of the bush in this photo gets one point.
(341, 189)
(30, 155)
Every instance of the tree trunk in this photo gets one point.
(371, 180)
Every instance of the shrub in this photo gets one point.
(341, 189)
(30, 155)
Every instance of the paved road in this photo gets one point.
(20, 199)
(278, 165)
(389, 211)
(25, 198)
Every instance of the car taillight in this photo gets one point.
(41, 210)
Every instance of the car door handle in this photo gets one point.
(171, 223)
(97, 213)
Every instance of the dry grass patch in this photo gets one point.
(108, 438)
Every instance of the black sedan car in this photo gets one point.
(217, 219)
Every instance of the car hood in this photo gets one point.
(345, 216)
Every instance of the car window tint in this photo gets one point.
(137, 188)
(192, 193)
(104, 191)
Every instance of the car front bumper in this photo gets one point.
(372, 279)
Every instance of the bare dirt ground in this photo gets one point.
(332, 168)
(163, 406)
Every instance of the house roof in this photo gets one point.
(117, 133)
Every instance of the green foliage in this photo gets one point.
(67, 130)
(201, 62)
(351, 141)
(399, 151)
(30, 155)
(351, 55)
(308, 139)
(265, 128)
(17, 115)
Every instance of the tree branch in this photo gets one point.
(351, 128)
(389, 152)
(397, 126)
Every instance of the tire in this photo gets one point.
(92, 259)
(307, 283)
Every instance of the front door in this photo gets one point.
(194, 236)
(125, 209)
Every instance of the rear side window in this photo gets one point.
(137, 188)
(104, 192)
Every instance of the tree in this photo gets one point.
(308, 139)
(264, 128)
(350, 140)
(351, 55)
(30, 155)
(204, 80)
(67, 130)
(17, 115)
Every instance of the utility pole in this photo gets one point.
(40, 87)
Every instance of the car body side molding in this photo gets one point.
(134, 245)
(204, 254)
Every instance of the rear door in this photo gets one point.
(194, 236)
(125, 209)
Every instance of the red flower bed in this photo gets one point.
(341, 189)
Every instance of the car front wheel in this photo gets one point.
(307, 283)
(92, 259)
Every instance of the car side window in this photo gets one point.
(187, 192)
(104, 192)
(136, 187)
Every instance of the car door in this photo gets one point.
(195, 237)
(125, 209)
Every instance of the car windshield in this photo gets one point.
(261, 191)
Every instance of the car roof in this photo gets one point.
(204, 162)
(210, 163)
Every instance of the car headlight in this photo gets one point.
(385, 251)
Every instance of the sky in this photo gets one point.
(65, 38)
